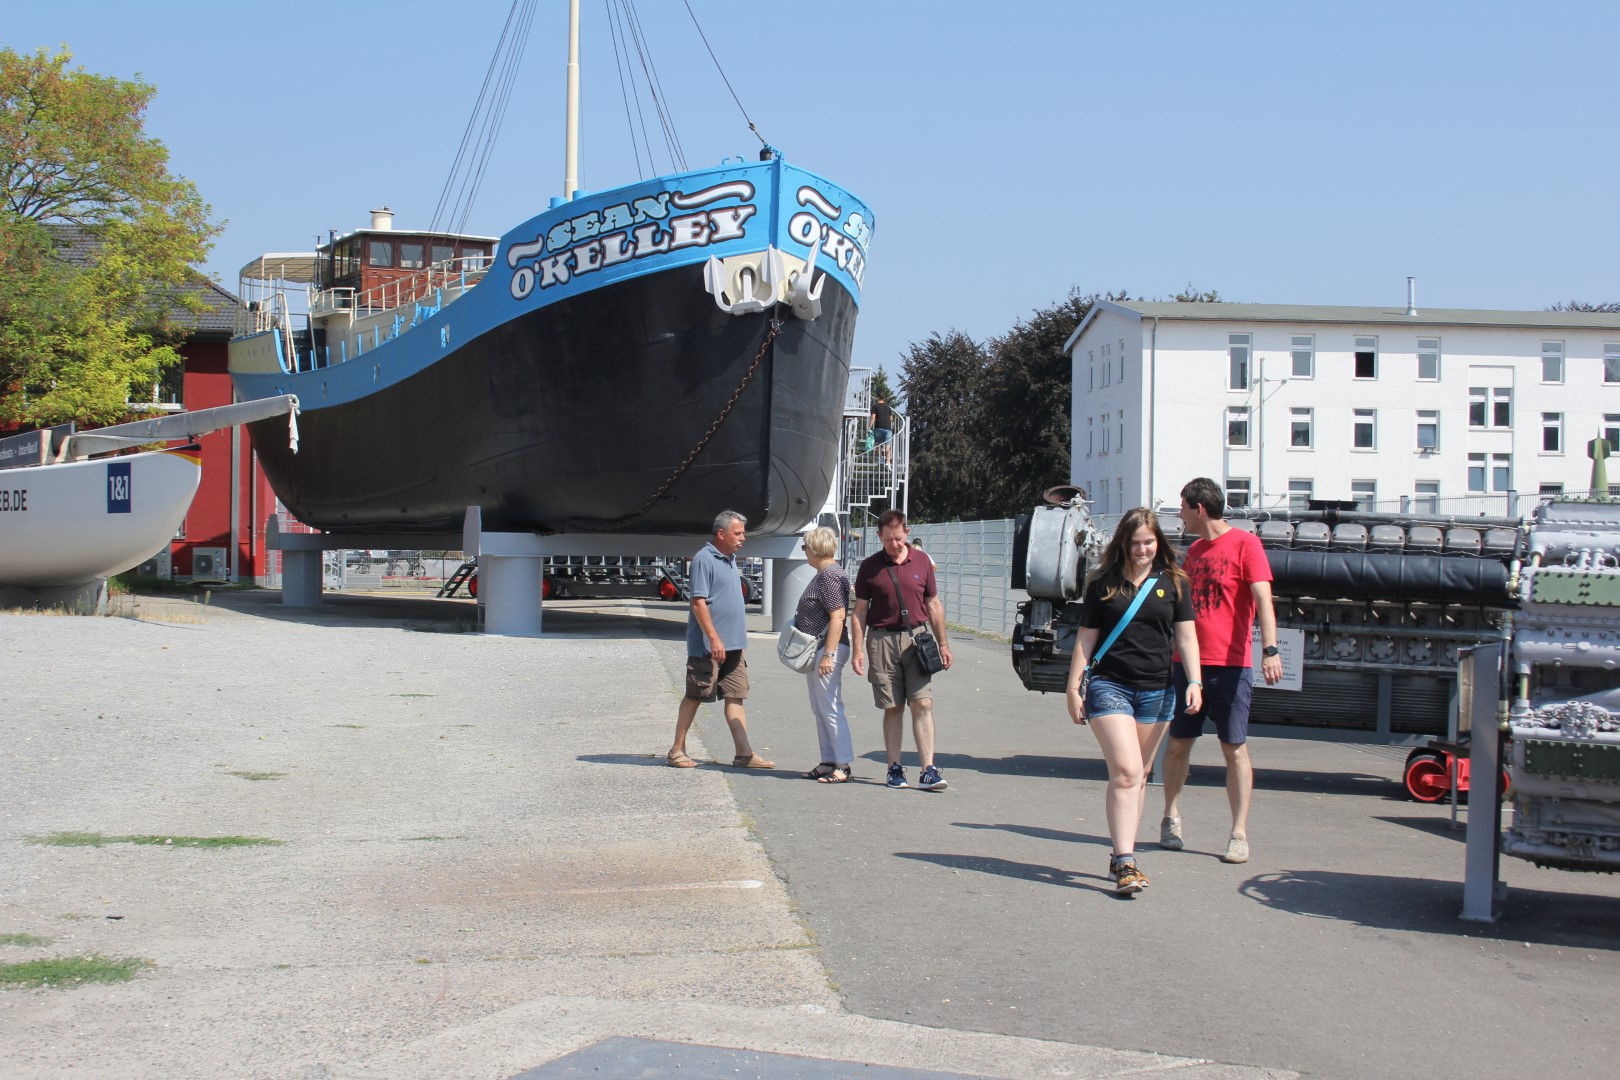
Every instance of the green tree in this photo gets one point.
(990, 423)
(1583, 305)
(97, 239)
(942, 381)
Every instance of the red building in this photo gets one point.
(223, 534)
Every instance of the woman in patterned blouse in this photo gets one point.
(823, 611)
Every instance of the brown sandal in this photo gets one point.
(677, 759)
(839, 775)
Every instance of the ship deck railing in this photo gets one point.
(452, 275)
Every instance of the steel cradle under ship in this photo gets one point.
(633, 360)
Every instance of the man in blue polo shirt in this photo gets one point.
(716, 635)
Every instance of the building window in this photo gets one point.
(1304, 351)
(1121, 359)
(1552, 361)
(379, 253)
(1428, 356)
(1428, 429)
(1365, 492)
(410, 256)
(1501, 472)
(1237, 425)
(1299, 432)
(1611, 362)
(1104, 426)
(1552, 433)
(1237, 352)
(1299, 494)
(1551, 489)
(1476, 472)
(1091, 371)
(1427, 497)
(1238, 492)
(443, 255)
(1365, 429)
(1122, 430)
(1366, 358)
(1091, 437)
(1490, 408)
(1611, 431)
(1108, 366)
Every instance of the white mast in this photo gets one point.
(571, 139)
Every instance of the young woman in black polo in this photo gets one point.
(1136, 612)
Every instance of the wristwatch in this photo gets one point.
(1270, 650)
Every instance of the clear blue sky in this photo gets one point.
(1277, 152)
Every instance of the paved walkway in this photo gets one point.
(482, 864)
(485, 870)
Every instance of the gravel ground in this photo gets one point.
(482, 862)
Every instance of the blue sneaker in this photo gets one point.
(897, 776)
(931, 780)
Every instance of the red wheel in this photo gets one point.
(1426, 778)
(472, 586)
(667, 590)
(547, 587)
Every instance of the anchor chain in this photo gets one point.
(609, 524)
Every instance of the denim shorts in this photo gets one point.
(1104, 697)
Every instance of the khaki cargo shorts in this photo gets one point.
(704, 677)
(893, 669)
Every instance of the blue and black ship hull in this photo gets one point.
(635, 361)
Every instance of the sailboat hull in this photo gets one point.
(67, 525)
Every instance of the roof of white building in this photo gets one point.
(1299, 314)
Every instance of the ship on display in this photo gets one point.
(631, 360)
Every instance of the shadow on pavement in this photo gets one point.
(1434, 826)
(1393, 902)
(985, 864)
(1033, 831)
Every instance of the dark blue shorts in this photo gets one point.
(1104, 697)
(1227, 693)
(881, 435)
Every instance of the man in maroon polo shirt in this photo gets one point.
(895, 595)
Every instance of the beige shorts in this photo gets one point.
(893, 669)
(732, 682)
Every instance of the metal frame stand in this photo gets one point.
(1478, 681)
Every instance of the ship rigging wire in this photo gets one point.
(630, 51)
(472, 156)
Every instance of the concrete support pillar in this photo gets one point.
(509, 588)
(301, 577)
(788, 577)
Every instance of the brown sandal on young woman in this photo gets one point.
(821, 772)
(840, 774)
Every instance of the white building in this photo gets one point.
(1451, 410)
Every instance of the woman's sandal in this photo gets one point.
(821, 772)
(840, 774)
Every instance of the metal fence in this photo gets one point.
(973, 565)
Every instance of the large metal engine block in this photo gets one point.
(1564, 713)
(1385, 602)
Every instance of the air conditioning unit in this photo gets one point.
(209, 563)
(157, 566)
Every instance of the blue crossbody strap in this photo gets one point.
(1130, 613)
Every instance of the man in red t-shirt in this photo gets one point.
(1231, 585)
